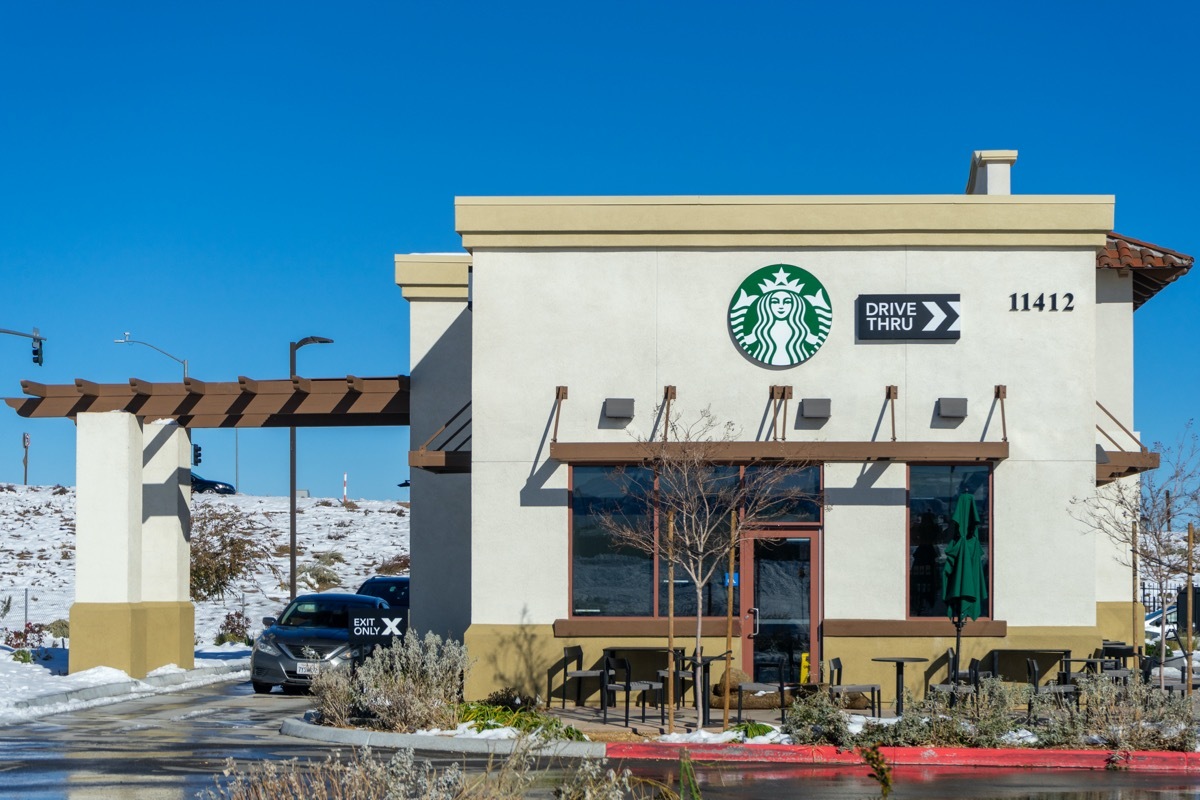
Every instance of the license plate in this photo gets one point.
(307, 667)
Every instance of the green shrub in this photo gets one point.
(527, 720)
(59, 629)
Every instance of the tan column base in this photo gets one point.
(135, 638)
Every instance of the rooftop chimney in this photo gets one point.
(991, 172)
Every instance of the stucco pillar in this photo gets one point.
(107, 623)
(166, 530)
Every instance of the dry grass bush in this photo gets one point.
(350, 505)
(225, 548)
(415, 684)
(396, 565)
(1116, 717)
(1110, 716)
(403, 777)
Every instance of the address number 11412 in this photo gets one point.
(1043, 302)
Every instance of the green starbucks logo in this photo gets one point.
(780, 315)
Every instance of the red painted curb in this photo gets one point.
(1135, 761)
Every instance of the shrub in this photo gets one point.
(415, 684)
(350, 505)
(22, 656)
(324, 504)
(225, 549)
(526, 719)
(235, 628)
(32, 636)
(815, 719)
(59, 629)
(396, 565)
(510, 698)
(334, 692)
(403, 777)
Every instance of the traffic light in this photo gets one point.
(37, 351)
(195, 455)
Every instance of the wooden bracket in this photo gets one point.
(668, 396)
(893, 393)
(560, 394)
(779, 398)
(1001, 394)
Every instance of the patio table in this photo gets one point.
(900, 661)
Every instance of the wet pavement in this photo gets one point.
(170, 747)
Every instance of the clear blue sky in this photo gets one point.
(222, 178)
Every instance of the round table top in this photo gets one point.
(901, 659)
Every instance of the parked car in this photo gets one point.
(309, 637)
(392, 588)
(205, 485)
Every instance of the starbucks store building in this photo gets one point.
(935, 362)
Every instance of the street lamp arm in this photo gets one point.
(127, 340)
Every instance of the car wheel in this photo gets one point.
(261, 688)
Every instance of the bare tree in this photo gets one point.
(703, 503)
(1144, 515)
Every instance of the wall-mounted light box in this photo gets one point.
(952, 407)
(618, 408)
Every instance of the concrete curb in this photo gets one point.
(105, 690)
(441, 744)
(1010, 758)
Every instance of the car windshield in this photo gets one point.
(318, 613)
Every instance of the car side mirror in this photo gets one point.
(269, 621)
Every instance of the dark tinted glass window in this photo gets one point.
(608, 578)
(939, 498)
(798, 492)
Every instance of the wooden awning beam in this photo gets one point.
(825, 452)
(246, 403)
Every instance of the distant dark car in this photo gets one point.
(392, 588)
(205, 485)
(309, 637)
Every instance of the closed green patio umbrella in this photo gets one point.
(964, 584)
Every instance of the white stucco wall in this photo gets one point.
(610, 323)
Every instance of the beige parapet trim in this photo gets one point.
(814, 221)
(425, 276)
(136, 638)
(529, 658)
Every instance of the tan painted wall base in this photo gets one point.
(529, 658)
(136, 638)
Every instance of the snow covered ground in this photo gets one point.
(37, 572)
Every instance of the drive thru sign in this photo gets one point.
(907, 316)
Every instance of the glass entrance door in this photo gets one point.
(777, 629)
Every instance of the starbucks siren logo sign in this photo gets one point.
(780, 315)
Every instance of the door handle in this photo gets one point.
(754, 612)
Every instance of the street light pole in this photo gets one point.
(292, 348)
(182, 361)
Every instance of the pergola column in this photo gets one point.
(131, 608)
(166, 554)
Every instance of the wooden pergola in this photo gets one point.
(244, 403)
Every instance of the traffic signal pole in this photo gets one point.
(38, 339)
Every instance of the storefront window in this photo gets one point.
(609, 579)
(798, 488)
(938, 495)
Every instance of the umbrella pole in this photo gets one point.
(959, 621)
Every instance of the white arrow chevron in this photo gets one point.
(938, 315)
(957, 316)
